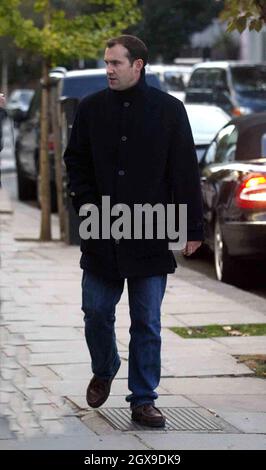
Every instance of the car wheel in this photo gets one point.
(26, 187)
(226, 266)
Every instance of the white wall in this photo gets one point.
(253, 46)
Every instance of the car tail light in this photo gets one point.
(251, 193)
(236, 112)
(241, 111)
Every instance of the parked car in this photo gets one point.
(205, 122)
(70, 84)
(18, 103)
(2, 118)
(233, 179)
(173, 77)
(237, 87)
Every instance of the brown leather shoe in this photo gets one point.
(98, 391)
(148, 415)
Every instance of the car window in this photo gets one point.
(216, 78)
(210, 153)
(211, 78)
(249, 79)
(35, 104)
(226, 144)
(220, 80)
(197, 79)
(223, 148)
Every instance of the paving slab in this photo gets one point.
(85, 442)
(5, 203)
(215, 386)
(204, 365)
(222, 318)
(198, 441)
(5, 432)
(44, 373)
(231, 403)
(57, 346)
(84, 370)
(118, 401)
(247, 422)
(244, 345)
(59, 358)
(196, 308)
(53, 333)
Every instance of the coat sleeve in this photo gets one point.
(78, 160)
(184, 173)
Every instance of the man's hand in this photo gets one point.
(2, 100)
(191, 247)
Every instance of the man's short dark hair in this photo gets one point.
(136, 48)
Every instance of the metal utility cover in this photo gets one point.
(177, 419)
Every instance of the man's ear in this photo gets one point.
(139, 64)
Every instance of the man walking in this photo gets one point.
(133, 143)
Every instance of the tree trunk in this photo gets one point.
(44, 169)
(55, 108)
(4, 86)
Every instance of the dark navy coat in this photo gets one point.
(135, 146)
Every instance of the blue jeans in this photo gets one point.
(99, 299)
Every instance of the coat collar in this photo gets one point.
(130, 93)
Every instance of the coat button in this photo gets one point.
(117, 242)
(72, 194)
(121, 172)
(126, 104)
(124, 138)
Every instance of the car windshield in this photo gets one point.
(249, 79)
(79, 86)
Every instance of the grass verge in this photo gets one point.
(211, 331)
(256, 362)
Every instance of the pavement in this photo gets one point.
(212, 401)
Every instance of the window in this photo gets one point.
(35, 105)
(210, 154)
(211, 78)
(248, 79)
(223, 148)
(226, 144)
(198, 78)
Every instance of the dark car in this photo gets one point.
(237, 87)
(70, 85)
(233, 178)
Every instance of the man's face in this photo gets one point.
(121, 74)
